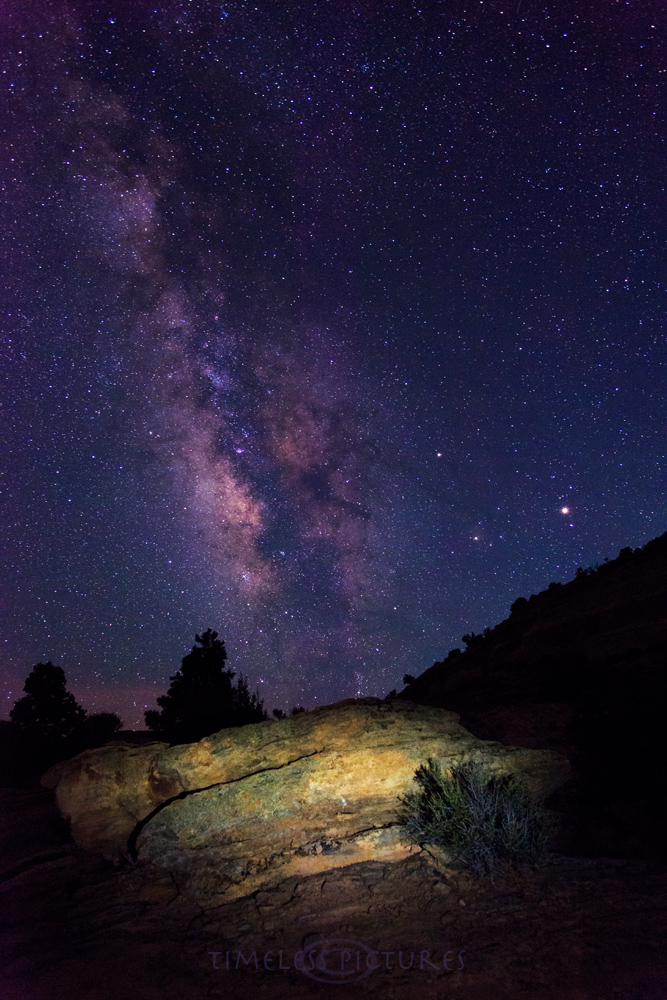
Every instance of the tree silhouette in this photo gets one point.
(48, 710)
(100, 727)
(296, 710)
(48, 723)
(202, 699)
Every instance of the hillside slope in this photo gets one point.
(580, 668)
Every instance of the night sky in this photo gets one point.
(332, 326)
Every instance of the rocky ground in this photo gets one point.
(74, 926)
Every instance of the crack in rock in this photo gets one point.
(134, 836)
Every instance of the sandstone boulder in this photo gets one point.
(249, 806)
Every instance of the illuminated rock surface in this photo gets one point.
(247, 806)
(73, 925)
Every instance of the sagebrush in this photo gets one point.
(484, 821)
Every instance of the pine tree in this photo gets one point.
(202, 699)
(48, 719)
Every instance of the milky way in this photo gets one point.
(334, 330)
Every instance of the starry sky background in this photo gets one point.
(316, 317)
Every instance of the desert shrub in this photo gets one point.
(472, 639)
(483, 821)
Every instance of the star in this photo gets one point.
(264, 324)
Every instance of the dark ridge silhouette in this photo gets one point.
(580, 668)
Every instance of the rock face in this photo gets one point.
(249, 806)
(75, 926)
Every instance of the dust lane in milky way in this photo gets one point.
(335, 332)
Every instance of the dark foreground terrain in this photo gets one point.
(73, 926)
(581, 669)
